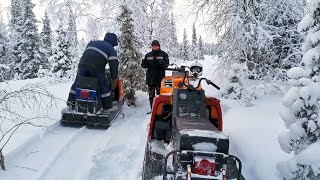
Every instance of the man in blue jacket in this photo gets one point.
(92, 64)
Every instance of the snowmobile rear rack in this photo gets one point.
(226, 160)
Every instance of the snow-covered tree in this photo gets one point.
(234, 87)
(185, 47)
(153, 16)
(46, 42)
(30, 43)
(15, 29)
(140, 22)
(201, 50)
(260, 33)
(173, 48)
(194, 47)
(164, 26)
(281, 20)
(301, 113)
(3, 42)
(4, 64)
(130, 58)
(61, 58)
(72, 35)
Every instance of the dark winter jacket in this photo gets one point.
(99, 53)
(155, 62)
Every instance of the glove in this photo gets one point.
(114, 83)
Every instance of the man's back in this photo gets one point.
(97, 53)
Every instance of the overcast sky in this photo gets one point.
(183, 18)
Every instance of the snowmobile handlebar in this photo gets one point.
(209, 154)
(182, 69)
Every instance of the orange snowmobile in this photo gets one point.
(185, 139)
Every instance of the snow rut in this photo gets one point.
(37, 157)
(121, 154)
(73, 160)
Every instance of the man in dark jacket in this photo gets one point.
(155, 61)
(92, 64)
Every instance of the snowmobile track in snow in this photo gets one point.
(78, 153)
(52, 145)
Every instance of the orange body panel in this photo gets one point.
(167, 88)
(121, 89)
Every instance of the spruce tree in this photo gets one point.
(15, 35)
(130, 58)
(30, 43)
(301, 114)
(46, 42)
(194, 48)
(185, 47)
(201, 50)
(61, 58)
(174, 45)
(4, 64)
(3, 43)
(164, 27)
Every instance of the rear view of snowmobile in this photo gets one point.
(88, 104)
(191, 123)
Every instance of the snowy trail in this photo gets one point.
(121, 154)
(81, 153)
(74, 157)
(35, 157)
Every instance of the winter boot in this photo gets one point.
(107, 105)
(71, 101)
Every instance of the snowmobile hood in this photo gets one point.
(112, 39)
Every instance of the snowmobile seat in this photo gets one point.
(190, 131)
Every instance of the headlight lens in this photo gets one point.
(183, 96)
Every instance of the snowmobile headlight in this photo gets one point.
(183, 96)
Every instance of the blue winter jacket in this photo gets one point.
(99, 53)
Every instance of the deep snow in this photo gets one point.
(79, 153)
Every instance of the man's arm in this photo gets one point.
(113, 64)
(165, 61)
(145, 63)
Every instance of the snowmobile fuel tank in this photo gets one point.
(192, 133)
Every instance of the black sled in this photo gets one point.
(88, 104)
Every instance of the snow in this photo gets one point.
(60, 152)
(209, 147)
(204, 133)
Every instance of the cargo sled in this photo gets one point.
(88, 104)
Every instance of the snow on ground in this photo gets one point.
(79, 153)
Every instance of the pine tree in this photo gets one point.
(201, 50)
(194, 49)
(3, 43)
(141, 22)
(46, 42)
(15, 29)
(301, 115)
(30, 43)
(174, 45)
(164, 27)
(185, 47)
(61, 57)
(4, 64)
(281, 19)
(130, 58)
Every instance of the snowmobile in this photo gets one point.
(88, 103)
(185, 139)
